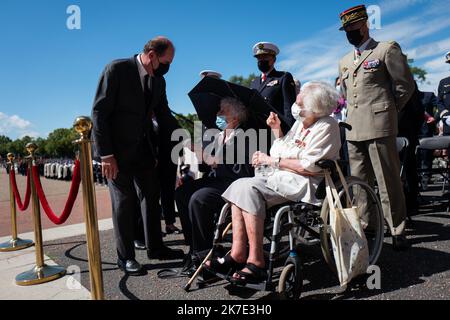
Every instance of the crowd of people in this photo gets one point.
(374, 92)
(57, 169)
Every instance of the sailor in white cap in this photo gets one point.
(276, 87)
(210, 73)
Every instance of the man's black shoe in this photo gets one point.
(173, 230)
(139, 245)
(131, 267)
(400, 243)
(165, 253)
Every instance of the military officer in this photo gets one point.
(444, 100)
(276, 87)
(376, 82)
(210, 73)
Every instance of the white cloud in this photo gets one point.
(392, 6)
(16, 127)
(432, 49)
(317, 57)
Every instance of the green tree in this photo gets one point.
(246, 82)
(4, 142)
(418, 73)
(187, 121)
(59, 143)
(18, 146)
(42, 144)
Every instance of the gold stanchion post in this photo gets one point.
(41, 273)
(15, 243)
(83, 125)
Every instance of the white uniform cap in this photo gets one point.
(210, 73)
(265, 48)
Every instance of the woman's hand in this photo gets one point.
(273, 121)
(211, 161)
(260, 159)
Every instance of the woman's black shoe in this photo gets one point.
(255, 276)
(225, 265)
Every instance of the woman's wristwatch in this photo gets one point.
(276, 163)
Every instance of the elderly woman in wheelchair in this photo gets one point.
(294, 178)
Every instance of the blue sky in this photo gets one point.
(49, 73)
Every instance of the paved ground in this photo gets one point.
(57, 193)
(421, 273)
(14, 263)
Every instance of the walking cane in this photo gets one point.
(188, 285)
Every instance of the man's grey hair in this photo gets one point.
(236, 107)
(320, 98)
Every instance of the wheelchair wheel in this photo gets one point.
(371, 214)
(290, 283)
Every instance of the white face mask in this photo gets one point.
(300, 114)
(295, 109)
(338, 88)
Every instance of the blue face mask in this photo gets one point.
(221, 123)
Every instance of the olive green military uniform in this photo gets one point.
(377, 85)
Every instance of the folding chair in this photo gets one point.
(402, 146)
(432, 144)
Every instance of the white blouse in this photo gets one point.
(320, 141)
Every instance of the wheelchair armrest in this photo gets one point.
(345, 126)
(326, 164)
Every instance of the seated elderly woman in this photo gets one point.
(314, 136)
(199, 201)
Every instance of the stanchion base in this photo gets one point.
(40, 275)
(15, 245)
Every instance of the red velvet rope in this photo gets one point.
(76, 179)
(12, 178)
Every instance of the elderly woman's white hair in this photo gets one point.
(319, 97)
(236, 107)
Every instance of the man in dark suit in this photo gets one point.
(276, 87)
(410, 122)
(444, 99)
(131, 117)
(429, 127)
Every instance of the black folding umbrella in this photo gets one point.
(208, 93)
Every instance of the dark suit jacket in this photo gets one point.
(429, 102)
(122, 122)
(279, 91)
(234, 157)
(444, 95)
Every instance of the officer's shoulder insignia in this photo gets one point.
(273, 83)
(393, 43)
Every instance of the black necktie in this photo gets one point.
(147, 92)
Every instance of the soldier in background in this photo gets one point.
(444, 100)
(377, 83)
(429, 129)
(276, 87)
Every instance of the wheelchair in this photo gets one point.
(306, 224)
